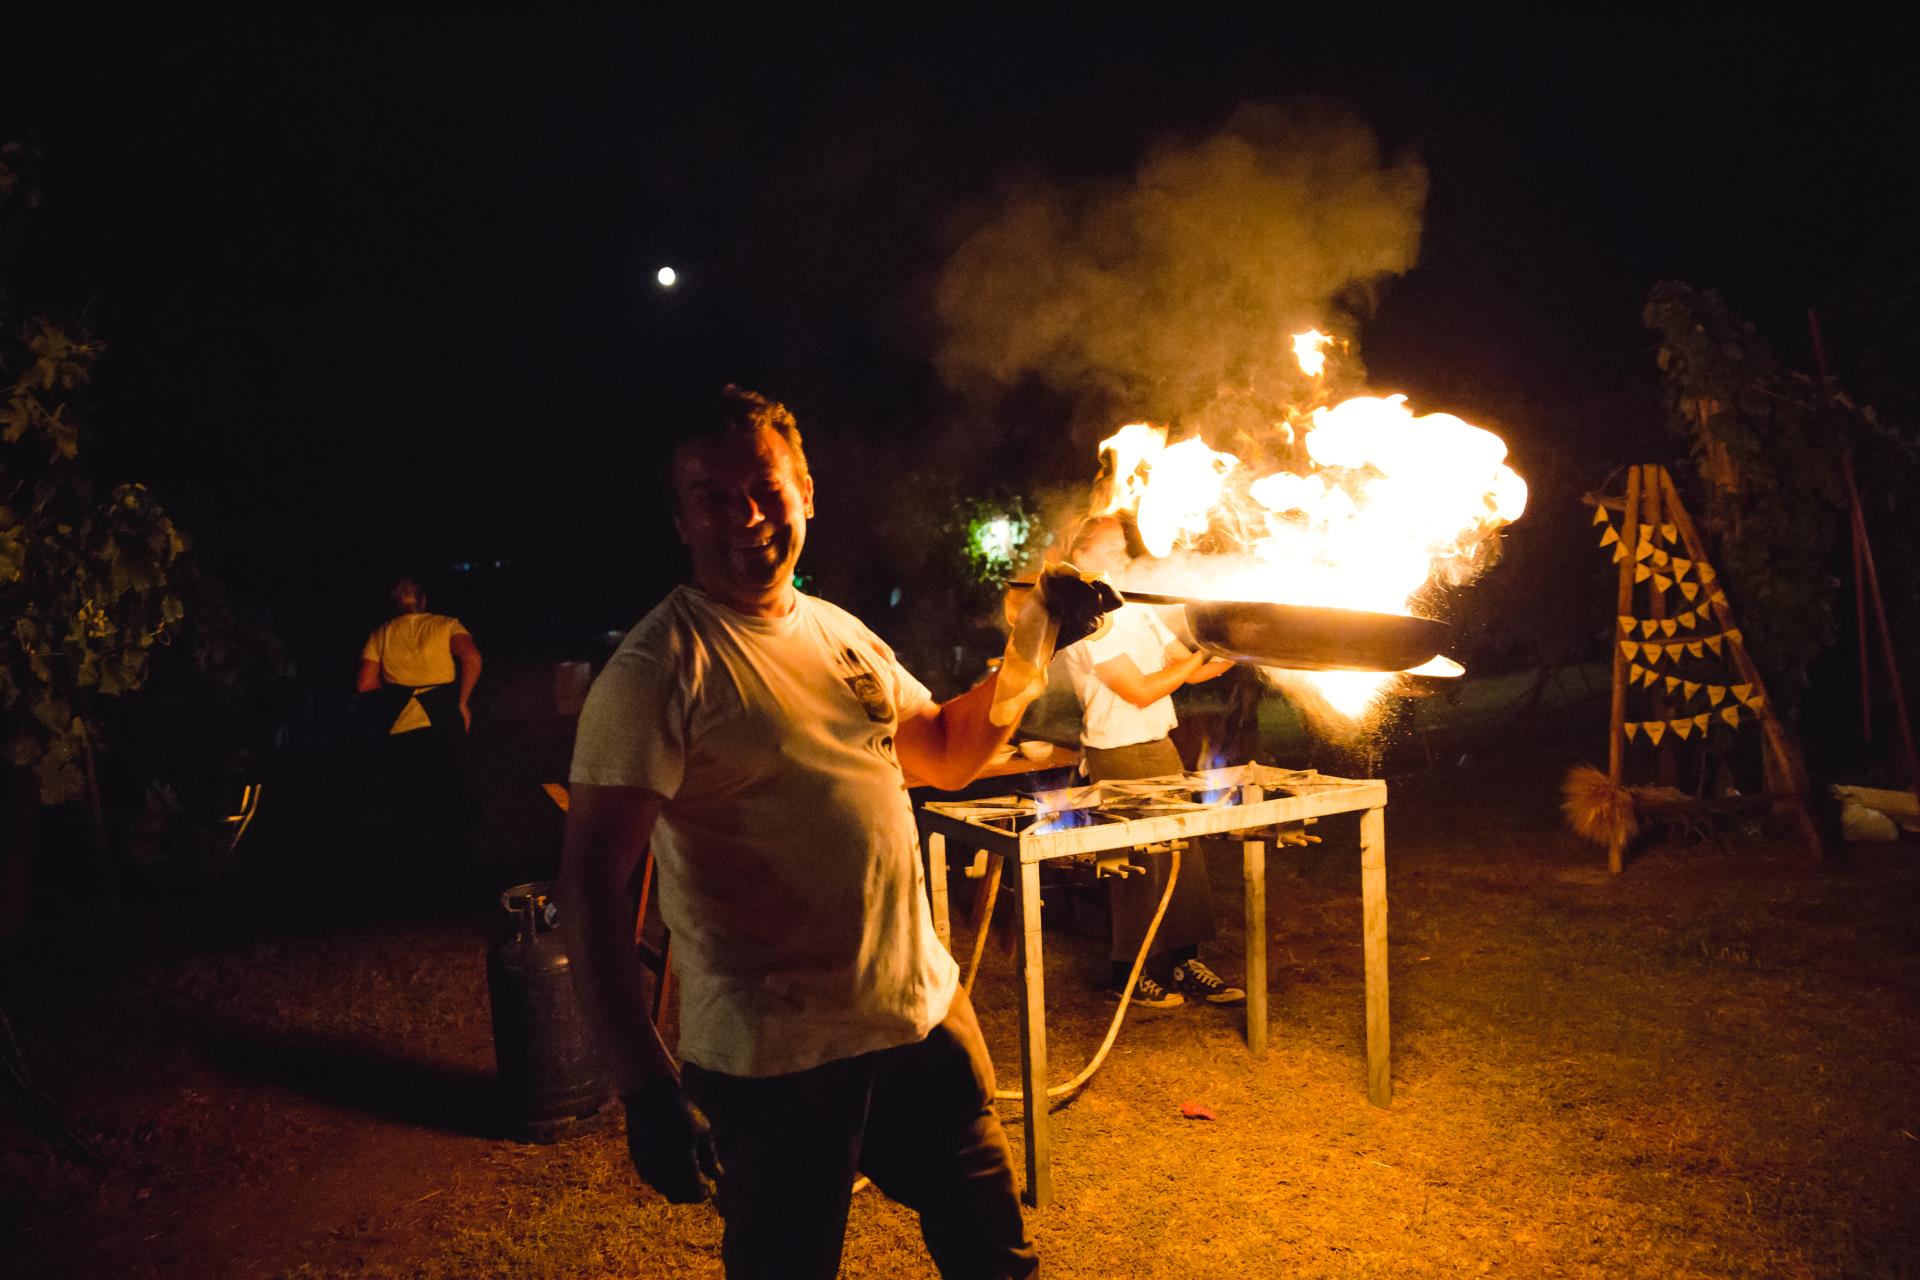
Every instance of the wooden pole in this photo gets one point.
(1886, 636)
(1033, 1040)
(1856, 534)
(1860, 629)
(1866, 580)
(1373, 904)
(1666, 765)
(1623, 607)
(937, 889)
(1253, 861)
(983, 903)
(1788, 772)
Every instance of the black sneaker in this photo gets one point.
(1206, 984)
(1152, 995)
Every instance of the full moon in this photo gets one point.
(667, 277)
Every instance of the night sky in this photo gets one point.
(381, 294)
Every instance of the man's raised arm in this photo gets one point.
(947, 745)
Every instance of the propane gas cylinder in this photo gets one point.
(550, 1069)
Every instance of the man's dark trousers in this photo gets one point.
(917, 1119)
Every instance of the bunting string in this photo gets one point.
(1655, 648)
(1693, 690)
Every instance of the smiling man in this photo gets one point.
(757, 736)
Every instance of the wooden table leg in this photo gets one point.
(1373, 901)
(1033, 1040)
(1253, 854)
(937, 888)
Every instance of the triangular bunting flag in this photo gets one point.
(1670, 532)
(1641, 573)
(1713, 643)
(1756, 702)
(1619, 554)
(1668, 625)
(1680, 567)
(1629, 648)
(1673, 682)
(1661, 581)
(1691, 687)
(1646, 536)
(1682, 727)
(1716, 694)
(1700, 721)
(1655, 730)
(1690, 589)
(1673, 650)
(1743, 692)
(1642, 551)
(1731, 715)
(1648, 675)
(1720, 598)
(1659, 556)
(1626, 624)
(1647, 625)
(1733, 634)
(1706, 573)
(1687, 619)
(1599, 514)
(1695, 647)
(1610, 537)
(1632, 727)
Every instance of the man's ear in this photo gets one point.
(807, 490)
(680, 529)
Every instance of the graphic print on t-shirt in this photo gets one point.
(866, 686)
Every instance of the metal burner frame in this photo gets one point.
(1106, 816)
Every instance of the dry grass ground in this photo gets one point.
(1705, 1068)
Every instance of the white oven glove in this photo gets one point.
(1065, 608)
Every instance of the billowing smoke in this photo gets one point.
(1179, 289)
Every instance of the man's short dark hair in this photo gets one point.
(735, 411)
(403, 581)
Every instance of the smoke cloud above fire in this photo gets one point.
(1167, 292)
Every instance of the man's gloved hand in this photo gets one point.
(1077, 602)
(670, 1142)
(1063, 609)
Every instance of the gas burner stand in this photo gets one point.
(1111, 816)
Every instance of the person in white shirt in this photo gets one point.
(431, 656)
(1124, 677)
(760, 738)
(421, 669)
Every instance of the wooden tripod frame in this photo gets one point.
(1652, 501)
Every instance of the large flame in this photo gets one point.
(1378, 504)
(1310, 349)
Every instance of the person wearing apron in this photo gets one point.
(421, 669)
(1124, 678)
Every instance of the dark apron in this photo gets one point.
(1189, 918)
(441, 702)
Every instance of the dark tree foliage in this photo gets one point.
(98, 598)
(85, 581)
(1766, 443)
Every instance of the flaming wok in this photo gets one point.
(1304, 637)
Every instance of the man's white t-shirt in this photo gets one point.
(416, 650)
(1110, 720)
(788, 859)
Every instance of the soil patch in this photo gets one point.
(1702, 1068)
